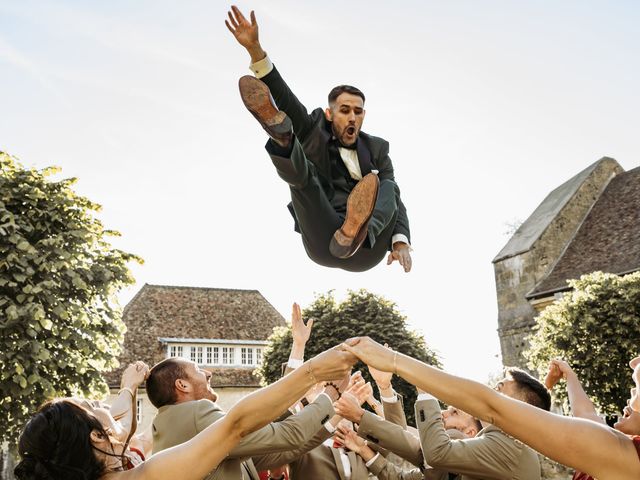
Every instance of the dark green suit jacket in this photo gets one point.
(314, 134)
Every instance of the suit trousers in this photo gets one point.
(318, 219)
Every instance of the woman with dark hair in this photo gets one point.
(593, 448)
(64, 441)
(119, 418)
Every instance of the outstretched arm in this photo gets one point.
(400, 241)
(375, 462)
(246, 33)
(194, 459)
(587, 446)
(123, 407)
(581, 404)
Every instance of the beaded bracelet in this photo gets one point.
(331, 384)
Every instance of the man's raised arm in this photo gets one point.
(246, 33)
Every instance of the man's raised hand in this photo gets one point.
(348, 406)
(246, 32)
(350, 439)
(402, 253)
(299, 331)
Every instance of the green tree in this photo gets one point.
(361, 313)
(60, 322)
(595, 328)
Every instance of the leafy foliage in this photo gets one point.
(60, 323)
(361, 313)
(596, 329)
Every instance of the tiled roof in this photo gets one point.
(531, 229)
(160, 311)
(608, 240)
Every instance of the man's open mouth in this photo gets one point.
(351, 130)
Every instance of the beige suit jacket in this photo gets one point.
(382, 433)
(490, 455)
(315, 461)
(324, 463)
(175, 424)
(403, 443)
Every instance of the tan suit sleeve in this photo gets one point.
(491, 454)
(385, 470)
(288, 434)
(391, 437)
(394, 412)
(272, 460)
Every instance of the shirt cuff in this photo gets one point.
(370, 462)
(262, 67)
(294, 363)
(398, 237)
(328, 397)
(425, 396)
(393, 399)
(330, 428)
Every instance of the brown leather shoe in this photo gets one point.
(257, 98)
(360, 204)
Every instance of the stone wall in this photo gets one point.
(518, 274)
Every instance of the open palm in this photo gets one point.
(245, 31)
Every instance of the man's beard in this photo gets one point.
(211, 395)
(344, 134)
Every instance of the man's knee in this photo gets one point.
(390, 186)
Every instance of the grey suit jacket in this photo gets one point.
(175, 424)
(492, 454)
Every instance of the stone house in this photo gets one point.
(589, 223)
(223, 330)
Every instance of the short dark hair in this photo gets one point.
(532, 390)
(340, 89)
(161, 382)
(56, 443)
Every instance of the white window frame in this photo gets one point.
(208, 356)
(250, 357)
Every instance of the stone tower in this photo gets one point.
(534, 249)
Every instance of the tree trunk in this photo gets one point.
(7, 462)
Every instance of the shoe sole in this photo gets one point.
(257, 98)
(360, 205)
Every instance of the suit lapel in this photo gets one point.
(364, 157)
(338, 461)
(249, 468)
(353, 461)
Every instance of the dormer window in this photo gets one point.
(217, 353)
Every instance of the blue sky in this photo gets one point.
(488, 105)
